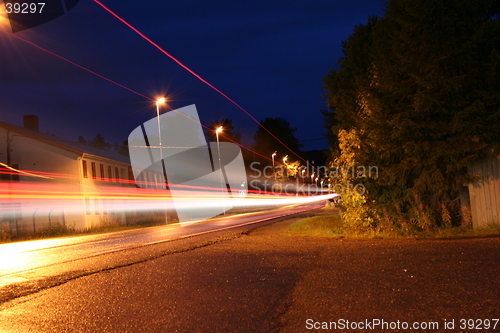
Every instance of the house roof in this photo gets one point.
(73, 147)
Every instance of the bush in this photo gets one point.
(356, 213)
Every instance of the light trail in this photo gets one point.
(44, 198)
(137, 93)
(22, 172)
(47, 199)
(75, 64)
(197, 76)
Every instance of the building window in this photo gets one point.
(117, 175)
(110, 175)
(84, 167)
(94, 173)
(87, 206)
(101, 169)
(96, 206)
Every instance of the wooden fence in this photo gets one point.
(485, 194)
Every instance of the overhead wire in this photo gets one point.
(118, 84)
(151, 99)
(196, 75)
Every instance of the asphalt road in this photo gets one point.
(263, 280)
(26, 267)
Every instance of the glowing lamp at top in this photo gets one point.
(161, 100)
(4, 20)
(218, 130)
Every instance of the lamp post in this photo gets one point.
(272, 156)
(217, 131)
(158, 102)
(284, 162)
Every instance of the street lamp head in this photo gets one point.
(161, 100)
(218, 130)
(274, 154)
(285, 158)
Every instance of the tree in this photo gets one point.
(227, 133)
(82, 140)
(99, 142)
(122, 149)
(266, 144)
(421, 88)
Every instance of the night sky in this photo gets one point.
(269, 56)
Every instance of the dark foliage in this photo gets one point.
(420, 87)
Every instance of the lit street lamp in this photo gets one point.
(158, 102)
(217, 131)
(274, 154)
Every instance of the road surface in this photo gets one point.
(27, 267)
(265, 280)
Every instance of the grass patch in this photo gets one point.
(328, 223)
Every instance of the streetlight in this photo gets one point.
(284, 162)
(274, 154)
(158, 102)
(217, 131)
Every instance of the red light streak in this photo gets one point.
(70, 197)
(149, 98)
(49, 175)
(197, 76)
(74, 63)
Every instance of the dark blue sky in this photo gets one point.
(268, 56)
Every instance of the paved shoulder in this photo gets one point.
(266, 281)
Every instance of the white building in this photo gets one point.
(46, 180)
